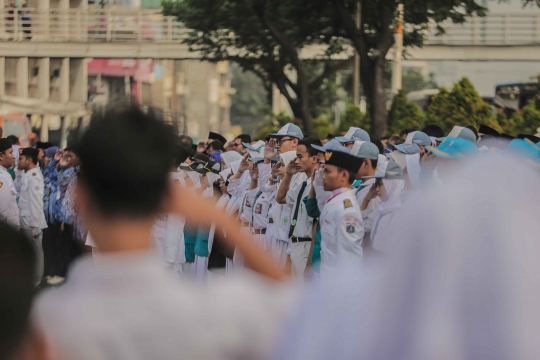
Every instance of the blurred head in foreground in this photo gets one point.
(126, 156)
(462, 281)
(17, 338)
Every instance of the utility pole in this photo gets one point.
(398, 54)
(356, 96)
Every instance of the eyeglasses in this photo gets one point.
(235, 144)
(280, 141)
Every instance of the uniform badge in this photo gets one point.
(258, 209)
(285, 221)
(328, 155)
(293, 223)
(347, 203)
(1, 184)
(33, 174)
(350, 229)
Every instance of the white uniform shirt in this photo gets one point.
(342, 231)
(127, 306)
(304, 224)
(380, 228)
(169, 232)
(31, 202)
(373, 205)
(9, 211)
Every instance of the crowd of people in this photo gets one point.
(208, 250)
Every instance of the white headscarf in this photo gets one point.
(393, 188)
(463, 282)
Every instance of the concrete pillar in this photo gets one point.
(44, 132)
(44, 78)
(22, 77)
(127, 85)
(64, 81)
(66, 123)
(2, 76)
(78, 80)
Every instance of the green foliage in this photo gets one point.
(322, 128)
(249, 103)
(353, 117)
(413, 80)
(404, 114)
(462, 106)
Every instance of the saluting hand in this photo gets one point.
(244, 165)
(372, 193)
(291, 167)
(57, 155)
(270, 149)
(275, 169)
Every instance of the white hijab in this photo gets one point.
(393, 187)
(463, 282)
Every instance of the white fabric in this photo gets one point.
(299, 253)
(9, 210)
(462, 282)
(414, 169)
(342, 232)
(37, 241)
(279, 250)
(304, 223)
(287, 157)
(283, 213)
(31, 202)
(229, 157)
(225, 173)
(393, 188)
(382, 159)
(235, 165)
(132, 308)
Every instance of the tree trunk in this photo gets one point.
(378, 106)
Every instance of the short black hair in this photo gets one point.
(352, 176)
(180, 155)
(245, 138)
(33, 158)
(216, 145)
(307, 142)
(379, 145)
(470, 127)
(17, 272)
(406, 131)
(433, 131)
(14, 140)
(126, 156)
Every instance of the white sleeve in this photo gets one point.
(35, 189)
(265, 172)
(350, 233)
(292, 194)
(4, 200)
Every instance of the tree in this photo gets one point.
(249, 103)
(353, 117)
(375, 37)
(462, 106)
(265, 37)
(404, 114)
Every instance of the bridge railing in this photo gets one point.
(493, 29)
(139, 25)
(100, 25)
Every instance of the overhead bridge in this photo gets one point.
(78, 33)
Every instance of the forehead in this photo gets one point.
(301, 149)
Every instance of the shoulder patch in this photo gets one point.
(33, 174)
(1, 184)
(347, 203)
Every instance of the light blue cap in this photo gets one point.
(333, 145)
(257, 146)
(387, 170)
(524, 148)
(454, 148)
(536, 146)
(461, 132)
(353, 134)
(365, 150)
(408, 148)
(289, 130)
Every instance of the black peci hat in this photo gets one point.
(343, 160)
